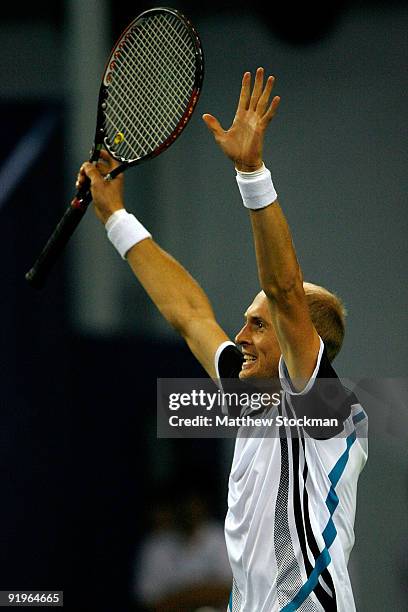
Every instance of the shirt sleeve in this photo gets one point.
(324, 397)
(228, 363)
(228, 360)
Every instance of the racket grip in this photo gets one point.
(38, 274)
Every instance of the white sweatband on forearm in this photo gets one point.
(256, 188)
(124, 231)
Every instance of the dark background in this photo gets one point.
(80, 461)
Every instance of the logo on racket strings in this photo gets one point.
(119, 138)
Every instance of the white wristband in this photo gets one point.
(124, 231)
(256, 188)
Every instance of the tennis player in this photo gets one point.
(292, 492)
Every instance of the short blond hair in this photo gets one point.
(328, 315)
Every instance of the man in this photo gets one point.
(292, 493)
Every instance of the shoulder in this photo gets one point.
(324, 397)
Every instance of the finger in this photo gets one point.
(245, 95)
(81, 178)
(272, 109)
(104, 166)
(264, 99)
(91, 172)
(107, 157)
(257, 90)
(213, 125)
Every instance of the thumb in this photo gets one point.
(213, 125)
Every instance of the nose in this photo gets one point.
(242, 338)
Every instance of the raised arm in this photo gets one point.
(172, 289)
(278, 269)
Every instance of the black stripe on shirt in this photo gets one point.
(332, 603)
(328, 603)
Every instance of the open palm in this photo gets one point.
(243, 141)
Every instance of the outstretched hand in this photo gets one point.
(243, 142)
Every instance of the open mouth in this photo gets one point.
(248, 361)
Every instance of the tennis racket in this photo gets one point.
(150, 87)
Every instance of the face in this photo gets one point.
(258, 342)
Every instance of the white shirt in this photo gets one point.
(291, 504)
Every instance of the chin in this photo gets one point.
(244, 375)
(258, 375)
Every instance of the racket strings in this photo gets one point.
(145, 99)
(143, 129)
(147, 93)
(116, 106)
(178, 73)
(161, 41)
(151, 86)
(168, 42)
(172, 43)
(150, 90)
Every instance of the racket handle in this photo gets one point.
(57, 241)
